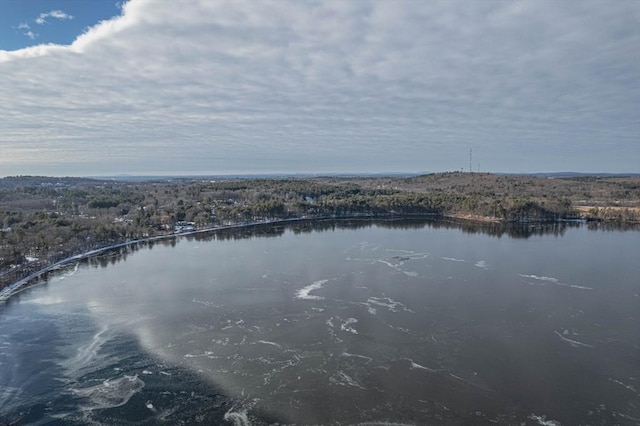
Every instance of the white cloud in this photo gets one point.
(57, 14)
(28, 33)
(329, 86)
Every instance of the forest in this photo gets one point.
(44, 219)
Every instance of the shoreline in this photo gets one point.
(37, 236)
(22, 284)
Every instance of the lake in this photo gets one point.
(334, 322)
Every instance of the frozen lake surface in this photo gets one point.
(336, 322)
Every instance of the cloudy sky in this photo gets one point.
(211, 87)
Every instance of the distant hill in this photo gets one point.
(575, 174)
(134, 178)
(11, 182)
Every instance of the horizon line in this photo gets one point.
(124, 176)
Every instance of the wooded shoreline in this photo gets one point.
(46, 222)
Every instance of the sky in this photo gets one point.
(143, 87)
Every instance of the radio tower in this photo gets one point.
(470, 166)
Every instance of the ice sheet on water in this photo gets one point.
(543, 280)
(396, 262)
(407, 255)
(86, 354)
(266, 342)
(345, 325)
(624, 385)
(205, 303)
(343, 379)
(207, 354)
(414, 365)
(400, 251)
(572, 342)
(386, 302)
(540, 278)
(238, 416)
(347, 354)
(303, 293)
(111, 393)
(397, 265)
(542, 420)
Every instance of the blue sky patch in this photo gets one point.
(25, 23)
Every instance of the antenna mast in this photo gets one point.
(470, 166)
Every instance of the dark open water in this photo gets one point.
(351, 322)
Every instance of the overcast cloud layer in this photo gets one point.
(187, 86)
